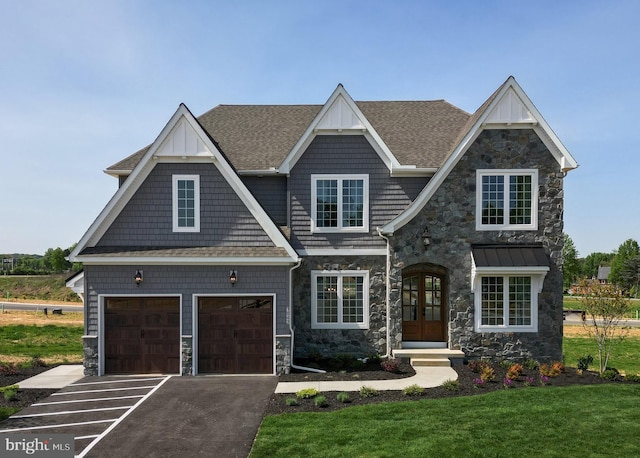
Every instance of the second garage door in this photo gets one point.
(235, 335)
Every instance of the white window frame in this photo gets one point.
(340, 274)
(537, 279)
(196, 187)
(506, 173)
(340, 179)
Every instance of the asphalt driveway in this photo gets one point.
(192, 416)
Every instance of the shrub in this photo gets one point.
(320, 401)
(307, 393)
(551, 370)
(391, 365)
(292, 402)
(374, 358)
(584, 362)
(368, 392)
(609, 374)
(529, 381)
(413, 390)
(477, 365)
(487, 374)
(514, 371)
(478, 383)
(9, 392)
(558, 366)
(36, 361)
(451, 385)
(531, 364)
(632, 378)
(343, 397)
(505, 364)
(507, 382)
(8, 369)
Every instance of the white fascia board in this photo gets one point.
(117, 173)
(566, 161)
(312, 130)
(343, 252)
(182, 261)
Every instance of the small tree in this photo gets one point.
(570, 264)
(605, 307)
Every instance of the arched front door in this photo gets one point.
(424, 308)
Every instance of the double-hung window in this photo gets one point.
(340, 203)
(186, 203)
(507, 199)
(340, 299)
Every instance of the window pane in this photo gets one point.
(519, 301)
(493, 199)
(186, 203)
(352, 203)
(492, 301)
(520, 199)
(327, 299)
(327, 203)
(352, 300)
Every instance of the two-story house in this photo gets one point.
(253, 235)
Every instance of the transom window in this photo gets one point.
(340, 203)
(507, 303)
(340, 299)
(186, 203)
(507, 199)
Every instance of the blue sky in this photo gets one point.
(85, 84)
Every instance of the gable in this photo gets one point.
(182, 141)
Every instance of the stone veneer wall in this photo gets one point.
(450, 218)
(332, 342)
(90, 358)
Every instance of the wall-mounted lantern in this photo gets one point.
(426, 238)
(233, 277)
(138, 277)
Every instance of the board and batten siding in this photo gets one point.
(347, 154)
(147, 219)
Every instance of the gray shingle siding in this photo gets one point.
(186, 281)
(347, 154)
(147, 220)
(271, 193)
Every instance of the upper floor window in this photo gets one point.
(186, 203)
(507, 199)
(340, 203)
(340, 299)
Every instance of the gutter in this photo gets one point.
(387, 292)
(293, 366)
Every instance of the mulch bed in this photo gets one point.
(467, 387)
(24, 398)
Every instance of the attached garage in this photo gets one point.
(235, 335)
(142, 335)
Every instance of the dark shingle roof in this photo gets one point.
(509, 256)
(257, 137)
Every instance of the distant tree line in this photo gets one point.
(624, 263)
(52, 262)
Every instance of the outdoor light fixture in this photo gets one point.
(426, 238)
(233, 278)
(138, 277)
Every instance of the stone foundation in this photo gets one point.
(187, 355)
(90, 355)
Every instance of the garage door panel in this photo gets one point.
(235, 335)
(142, 335)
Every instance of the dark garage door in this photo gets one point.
(235, 335)
(142, 335)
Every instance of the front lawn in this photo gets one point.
(598, 420)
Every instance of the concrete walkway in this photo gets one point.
(56, 378)
(426, 377)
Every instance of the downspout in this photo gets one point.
(387, 293)
(293, 366)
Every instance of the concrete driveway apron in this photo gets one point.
(192, 416)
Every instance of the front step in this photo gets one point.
(429, 357)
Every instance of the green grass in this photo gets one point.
(42, 341)
(624, 356)
(541, 422)
(573, 303)
(36, 287)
